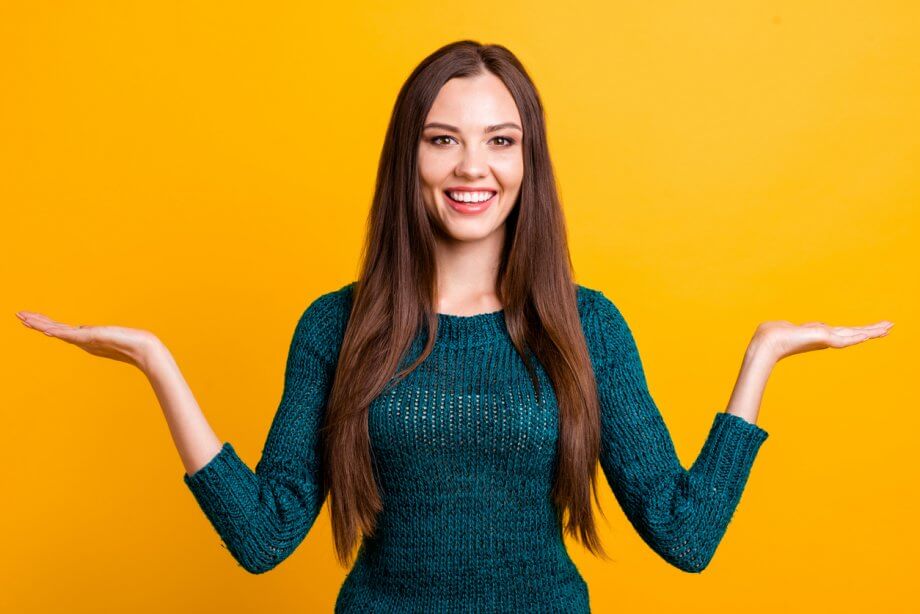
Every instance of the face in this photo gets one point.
(471, 149)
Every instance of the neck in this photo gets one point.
(467, 274)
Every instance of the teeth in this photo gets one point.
(470, 197)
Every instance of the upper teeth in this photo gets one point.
(471, 197)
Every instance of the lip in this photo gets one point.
(470, 208)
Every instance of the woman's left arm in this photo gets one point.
(778, 339)
(682, 514)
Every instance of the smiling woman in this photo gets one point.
(457, 449)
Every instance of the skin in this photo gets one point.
(467, 252)
(468, 247)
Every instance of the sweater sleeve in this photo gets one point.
(682, 514)
(263, 515)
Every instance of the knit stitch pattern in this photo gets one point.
(464, 455)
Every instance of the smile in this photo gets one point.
(472, 202)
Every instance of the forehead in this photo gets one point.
(474, 102)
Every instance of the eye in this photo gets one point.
(434, 140)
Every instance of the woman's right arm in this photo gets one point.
(262, 515)
(194, 439)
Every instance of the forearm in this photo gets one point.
(681, 513)
(193, 437)
(752, 379)
(262, 515)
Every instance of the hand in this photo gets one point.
(128, 345)
(781, 338)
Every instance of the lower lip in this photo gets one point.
(470, 207)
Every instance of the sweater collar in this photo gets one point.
(475, 329)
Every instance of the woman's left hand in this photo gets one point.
(782, 338)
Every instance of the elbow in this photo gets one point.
(691, 566)
(681, 533)
(688, 556)
(257, 565)
(257, 568)
(265, 544)
(258, 560)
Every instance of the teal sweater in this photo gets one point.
(465, 455)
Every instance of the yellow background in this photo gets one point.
(204, 170)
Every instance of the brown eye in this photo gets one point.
(434, 140)
(509, 141)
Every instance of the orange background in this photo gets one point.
(204, 170)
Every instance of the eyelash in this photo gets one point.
(433, 140)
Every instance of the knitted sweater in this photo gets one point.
(465, 457)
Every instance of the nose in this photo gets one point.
(474, 163)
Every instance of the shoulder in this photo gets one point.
(607, 333)
(594, 304)
(331, 305)
(322, 323)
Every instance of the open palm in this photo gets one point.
(785, 338)
(114, 342)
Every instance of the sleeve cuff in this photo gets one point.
(222, 475)
(739, 425)
(729, 452)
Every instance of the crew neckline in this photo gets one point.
(473, 315)
(475, 328)
(480, 328)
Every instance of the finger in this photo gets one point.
(38, 318)
(842, 341)
(847, 330)
(45, 322)
(39, 323)
(861, 334)
(73, 334)
(857, 330)
(35, 324)
(879, 324)
(857, 337)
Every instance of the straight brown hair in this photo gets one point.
(394, 295)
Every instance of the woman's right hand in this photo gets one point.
(128, 345)
(195, 440)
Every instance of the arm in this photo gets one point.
(682, 514)
(262, 515)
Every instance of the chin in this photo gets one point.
(467, 236)
(469, 231)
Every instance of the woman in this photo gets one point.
(455, 400)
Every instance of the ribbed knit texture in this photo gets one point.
(465, 457)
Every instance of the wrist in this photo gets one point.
(761, 352)
(150, 353)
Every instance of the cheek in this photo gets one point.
(433, 171)
(510, 181)
(509, 173)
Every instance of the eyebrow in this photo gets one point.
(492, 128)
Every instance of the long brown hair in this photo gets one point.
(394, 295)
